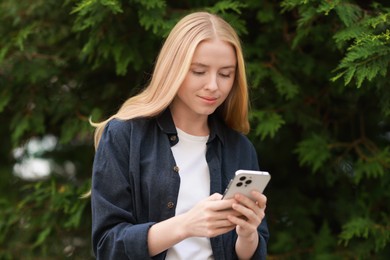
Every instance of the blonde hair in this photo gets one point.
(173, 63)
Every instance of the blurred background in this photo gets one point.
(320, 114)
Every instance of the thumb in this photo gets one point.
(215, 196)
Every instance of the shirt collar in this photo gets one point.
(166, 124)
(217, 128)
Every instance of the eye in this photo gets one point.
(196, 72)
(225, 75)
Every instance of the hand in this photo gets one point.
(209, 218)
(253, 213)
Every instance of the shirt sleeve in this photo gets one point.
(115, 232)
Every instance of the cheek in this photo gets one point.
(189, 84)
(227, 91)
(182, 93)
(185, 87)
(227, 87)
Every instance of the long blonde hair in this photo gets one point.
(172, 65)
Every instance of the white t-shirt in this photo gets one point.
(190, 156)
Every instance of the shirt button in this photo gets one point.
(176, 168)
(173, 138)
(170, 205)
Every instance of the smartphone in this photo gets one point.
(246, 181)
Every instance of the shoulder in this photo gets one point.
(231, 137)
(236, 144)
(122, 127)
(237, 139)
(120, 131)
(227, 135)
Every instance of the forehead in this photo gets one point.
(215, 52)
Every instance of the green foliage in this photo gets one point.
(313, 151)
(227, 6)
(365, 228)
(318, 74)
(368, 56)
(268, 123)
(285, 87)
(373, 166)
(366, 59)
(47, 211)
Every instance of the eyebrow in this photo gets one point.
(206, 66)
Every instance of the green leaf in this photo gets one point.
(256, 74)
(19, 126)
(366, 59)
(356, 227)
(83, 5)
(5, 98)
(288, 5)
(113, 5)
(324, 241)
(75, 214)
(227, 5)
(313, 151)
(3, 52)
(153, 4)
(350, 33)
(373, 167)
(268, 123)
(364, 227)
(152, 19)
(284, 85)
(349, 13)
(23, 34)
(42, 236)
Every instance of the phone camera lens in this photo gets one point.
(239, 184)
(248, 182)
(242, 178)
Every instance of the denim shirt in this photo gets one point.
(135, 184)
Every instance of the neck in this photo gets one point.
(193, 129)
(197, 125)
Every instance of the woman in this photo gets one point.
(167, 149)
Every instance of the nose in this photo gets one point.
(212, 83)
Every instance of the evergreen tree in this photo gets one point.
(320, 115)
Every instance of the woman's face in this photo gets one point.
(208, 81)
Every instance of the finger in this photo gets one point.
(248, 214)
(225, 223)
(223, 215)
(247, 202)
(252, 215)
(215, 196)
(219, 227)
(220, 231)
(261, 199)
(240, 221)
(222, 205)
(262, 207)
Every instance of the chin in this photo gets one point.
(207, 112)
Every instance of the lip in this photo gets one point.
(209, 100)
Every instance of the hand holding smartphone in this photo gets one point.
(245, 181)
